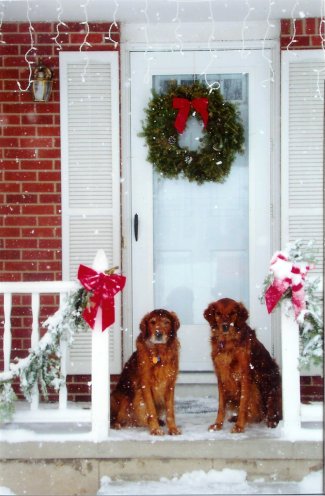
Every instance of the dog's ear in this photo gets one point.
(144, 326)
(209, 314)
(242, 313)
(175, 321)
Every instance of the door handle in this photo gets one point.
(136, 226)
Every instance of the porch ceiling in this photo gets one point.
(143, 11)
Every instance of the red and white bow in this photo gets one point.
(287, 274)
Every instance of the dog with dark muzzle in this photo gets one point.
(249, 381)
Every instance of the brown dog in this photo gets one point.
(147, 383)
(249, 381)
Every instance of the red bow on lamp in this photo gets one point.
(104, 287)
(184, 105)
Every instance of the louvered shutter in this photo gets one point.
(302, 118)
(89, 94)
(303, 148)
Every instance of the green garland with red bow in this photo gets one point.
(222, 139)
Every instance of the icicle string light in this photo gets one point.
(293, 38)
(213, 54)
(268, 59)
(113, 24)
(244, 52)
(147, 55)
(85, 43)
(178, 35)
(322, 24)
(32, 49)
(59, 23)
(1, 21)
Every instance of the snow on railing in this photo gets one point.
(294, 413)
(40, 412)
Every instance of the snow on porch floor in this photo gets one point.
(193, 416)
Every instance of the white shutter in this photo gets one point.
(89, 93)
(302, 120)
(303, 148)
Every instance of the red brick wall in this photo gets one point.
(30, 223)
(302, 34)
(30, 197)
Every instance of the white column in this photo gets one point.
(7, 331)
(34, 341)
(290, 374)
(100, 379)
(63, 393)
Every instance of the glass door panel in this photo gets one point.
(200, 232)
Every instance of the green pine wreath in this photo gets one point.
(222, 140)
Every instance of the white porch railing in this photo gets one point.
(98, 415)
(293, 412)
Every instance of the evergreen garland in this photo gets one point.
(42, 366)
(221, 141)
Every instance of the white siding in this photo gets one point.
(90, 177)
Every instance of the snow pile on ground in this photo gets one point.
(226, 481)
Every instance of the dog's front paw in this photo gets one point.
(157, 432)
(272, 423)
(174, 431)
(116, 425)
(237, 429)
(215, 427)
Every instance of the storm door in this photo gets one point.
(198, 243)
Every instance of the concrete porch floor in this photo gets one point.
(63, 457)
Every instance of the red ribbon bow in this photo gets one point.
(103, 287)
(183, 105)
(286, 275)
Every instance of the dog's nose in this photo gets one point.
(158, 334)
(225, 327)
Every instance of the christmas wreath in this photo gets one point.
(223, 138)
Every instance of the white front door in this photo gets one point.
(198, 243)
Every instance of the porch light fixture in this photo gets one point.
(42, 83)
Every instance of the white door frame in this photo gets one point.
(271, 53)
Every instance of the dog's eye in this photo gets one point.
(218, 314)
(166, 321)
(152, 321)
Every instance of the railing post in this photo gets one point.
(100, 379)
(63, 393)
(7, 331)
(34, 341)
(290, 374)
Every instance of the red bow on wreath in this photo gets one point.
(183, 105)
(287, 275)
(104, 287)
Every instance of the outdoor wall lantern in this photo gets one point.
(42, 83)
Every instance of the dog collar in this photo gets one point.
(156, 359)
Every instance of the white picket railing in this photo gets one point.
(40, 412)
(293, 412)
